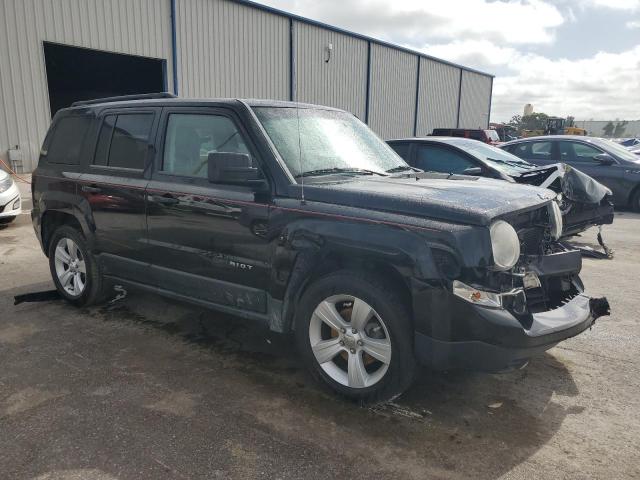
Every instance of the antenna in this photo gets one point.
(302, 201)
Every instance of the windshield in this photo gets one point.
(499, 159)
(493, 135)
(617, 150)
(329, 141)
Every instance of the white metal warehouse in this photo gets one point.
(54, 52)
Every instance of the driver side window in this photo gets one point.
(191, 137)
(577, 152)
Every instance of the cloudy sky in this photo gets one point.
(566, 57)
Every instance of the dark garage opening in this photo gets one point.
(82, 74)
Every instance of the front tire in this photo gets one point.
(75, 271)
(354, 333)
(6, 220)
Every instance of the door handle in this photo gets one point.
(163, 199)
(88, 189)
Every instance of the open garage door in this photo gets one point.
(82, 74)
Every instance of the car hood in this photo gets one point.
(452, 198)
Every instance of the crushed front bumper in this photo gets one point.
(510, 344)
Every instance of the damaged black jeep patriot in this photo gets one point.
(299, 216)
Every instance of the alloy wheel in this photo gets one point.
(350, 341)
(70, 267)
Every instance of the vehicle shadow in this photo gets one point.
(452, 424)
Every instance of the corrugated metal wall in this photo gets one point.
(229, 49)
(340, 82)
(474, 101)
(438, 97)
(139, 28)
(392, 92)
(226, 49)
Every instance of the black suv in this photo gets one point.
(299, 216)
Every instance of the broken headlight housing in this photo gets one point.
(505, 245)
(555, 217)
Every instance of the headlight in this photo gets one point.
(555, 215)
(6, 184)
(505, 245)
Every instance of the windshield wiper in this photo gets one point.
(402, 168)
(330, 171)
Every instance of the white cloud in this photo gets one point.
(603, 86)
(499, 36)
(616, 4)
(416, 21)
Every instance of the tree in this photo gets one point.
(608, 129)
(620, 128)
(535, 121)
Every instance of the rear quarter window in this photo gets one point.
(65, 145)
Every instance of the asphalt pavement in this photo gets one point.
(147, 388)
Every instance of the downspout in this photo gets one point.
(459, 99)
(174, 47)
(368, 85)
(415, 117)
(490, 100)
(293, 65)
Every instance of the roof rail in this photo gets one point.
(123, 98)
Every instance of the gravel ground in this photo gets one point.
(146, 388)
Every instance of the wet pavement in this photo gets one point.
(147, 388)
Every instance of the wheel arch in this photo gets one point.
(51, 220)
(310, 255)
(632, 195)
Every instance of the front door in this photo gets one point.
(582, 156)
(208, 241)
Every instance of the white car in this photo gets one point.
(10, 205)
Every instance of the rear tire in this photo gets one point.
(75, 271)
(354, 333)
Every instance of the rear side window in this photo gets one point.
(66, 143)
(124, 140)
(441, 159)
(541, 151)
(401, 149)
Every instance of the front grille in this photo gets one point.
(533, 230)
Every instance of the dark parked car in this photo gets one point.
(486, 136)
(584, 203)
(300, 217)
(609, 163)
(630, 142)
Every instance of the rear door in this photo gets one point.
(113, 187)
(538, 152)
(208, 241)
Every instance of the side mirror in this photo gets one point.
(472, 171)
(604, 159)
(233, 169)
